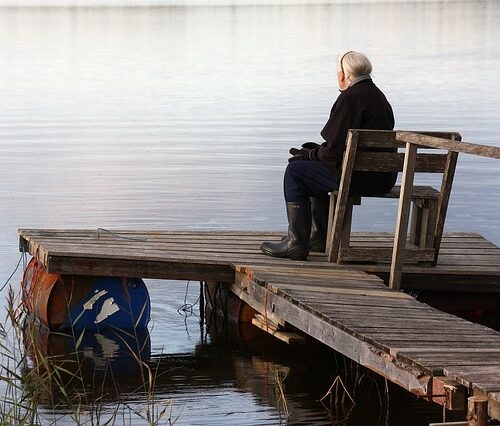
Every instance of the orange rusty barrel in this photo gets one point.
(37, 287)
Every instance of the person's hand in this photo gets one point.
(295, 151)
(310, 145)
(298, 154)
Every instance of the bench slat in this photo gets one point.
(393, 162)
(418, 193)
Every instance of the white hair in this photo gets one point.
(354, 64)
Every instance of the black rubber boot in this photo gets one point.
(296, 245)
(319, 225)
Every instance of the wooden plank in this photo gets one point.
(168, 270)
(384, 254)
(345, 235)
(288, 337)
(393, 162)
(473, 374)
(331, 213)
(388, 138)
(341, 291)
(324, 272)
(453, 393)
(402, 218)
(92, 233)
(457, 146)
(456, 357)
(341, 206)
(446, 349)
(428, 337)
(446, 184)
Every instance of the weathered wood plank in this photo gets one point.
(398, 253)
(288, 337)
(340, 291)
(141, 269)
(389, 139)
(341, 205)
(384, 254)
(457, 146)
(393, 162)
(446, 184)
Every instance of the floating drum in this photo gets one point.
(77, 301)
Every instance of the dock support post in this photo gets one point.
(477, 413)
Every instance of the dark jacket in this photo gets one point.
(361, 106)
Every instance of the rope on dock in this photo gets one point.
(23, 256)
(186, 309)
(114, 234)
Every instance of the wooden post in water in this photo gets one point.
(477, 412)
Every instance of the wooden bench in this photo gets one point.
(429, 204)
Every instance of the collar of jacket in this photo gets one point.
(357, 80)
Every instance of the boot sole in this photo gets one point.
(315, 248)
(293, 256)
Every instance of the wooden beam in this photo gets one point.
(477, 412)
(289, 337)
(457, 146)
(448, 393)
(446, 184)
(341, 205)
(402, 218)
(167, 270)
(385, 254)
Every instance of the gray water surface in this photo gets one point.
(182, 117)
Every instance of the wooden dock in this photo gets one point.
(467, 261)
(347, 307)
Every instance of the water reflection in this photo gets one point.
(238, 368)
(99, 365)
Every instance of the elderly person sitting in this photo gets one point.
(314, 170)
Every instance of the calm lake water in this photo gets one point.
(182, 117)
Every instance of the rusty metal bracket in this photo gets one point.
(24, 245)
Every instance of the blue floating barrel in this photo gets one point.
(112, 302)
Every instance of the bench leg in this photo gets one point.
(416, 223)
(345, 239)
(430, 220)
(423, 223)
(331, 213)
(345, 235)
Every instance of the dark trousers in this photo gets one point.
(304, 179)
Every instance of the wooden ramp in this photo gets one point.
(467, 261)
(426, 351)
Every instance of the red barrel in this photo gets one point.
(37, 286)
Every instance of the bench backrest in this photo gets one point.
(373, 153)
